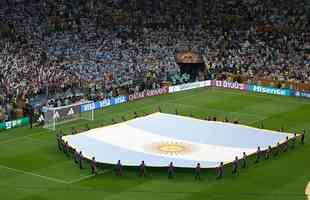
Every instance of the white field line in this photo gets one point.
(35, 175)
(255, 121)
(50, 178)
(86, 177)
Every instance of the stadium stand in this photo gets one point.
(59, 52)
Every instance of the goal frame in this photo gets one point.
(65, 114)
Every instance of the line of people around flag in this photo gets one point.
(267, 154)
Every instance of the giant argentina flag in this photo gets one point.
(159, 139)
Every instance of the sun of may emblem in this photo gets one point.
(173, 148)
(170, 148)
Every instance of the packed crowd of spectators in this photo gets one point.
(64, 48)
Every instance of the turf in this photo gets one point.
(32, 168)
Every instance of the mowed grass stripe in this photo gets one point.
(280, 178)
(18, 171)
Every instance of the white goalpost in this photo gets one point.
(64, 114)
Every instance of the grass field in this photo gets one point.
(32, 168)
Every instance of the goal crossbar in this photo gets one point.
(64, 114)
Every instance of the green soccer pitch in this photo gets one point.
(32, 168)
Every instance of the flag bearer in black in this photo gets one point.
(119, 168)
(59, 141)
(66, 148)
(235, 166)
(171, 171)
(302, 138)
(268, 153)
(81, 160)
(294, 140)
(94, 166)
(244, 160)
(76, 156)
(277, 149)
(198, 172)
(142, 171)
(285, 145)
(220, 170)
(258, 155)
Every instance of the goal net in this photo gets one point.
(64, 114)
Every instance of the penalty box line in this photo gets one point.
(51, 178)
(87, 177)
(33, 174)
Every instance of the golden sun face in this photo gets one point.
(169, 148)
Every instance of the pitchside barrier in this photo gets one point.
(102, 104)
(270, 90)
(189, 86)
(302, 94)
(14, 124)
(239, 86)
(89, 107)
(229, 85)
(148, 93)
(209, 83)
